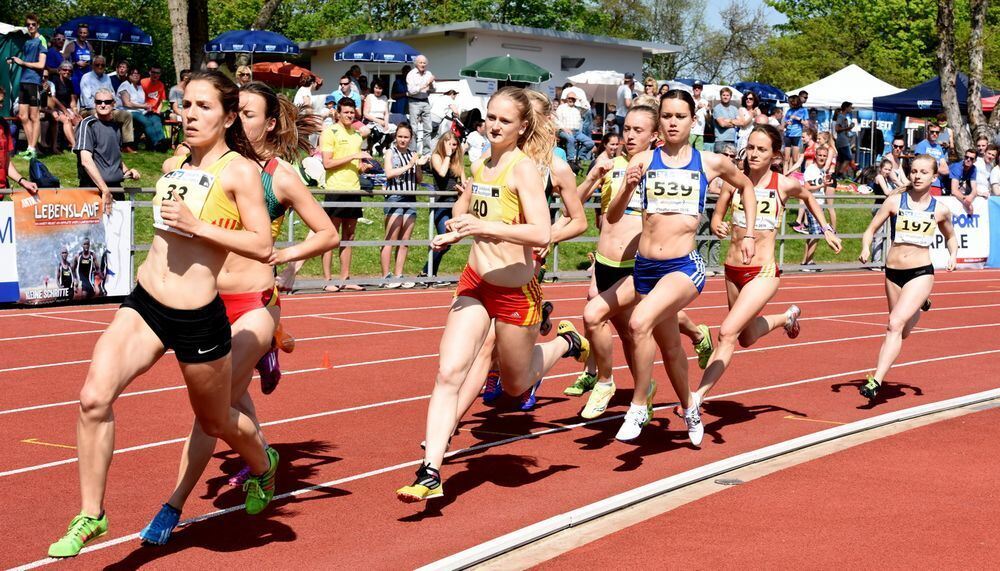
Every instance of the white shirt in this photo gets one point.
(418, 84)
(376, 106)
(477, 145)
(441, 108)
(568, 117)
(701, 113)
(135, 95)
(624, 92)
(994, 178)
(303, 96)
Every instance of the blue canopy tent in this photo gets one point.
(925, 99)
(763, 90)
(378, 51)
(251, 42)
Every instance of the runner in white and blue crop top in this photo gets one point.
(913, 216)
(669, 274)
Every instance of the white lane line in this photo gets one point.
(388, 403)
(850, 321)
(488, 445)
(396, 325)
(90, 321)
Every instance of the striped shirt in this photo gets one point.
(407, 180)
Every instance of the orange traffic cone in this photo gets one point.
(326, 360)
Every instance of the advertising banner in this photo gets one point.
(66, 250)
(972, 232)
(8, 255)
(994, 259)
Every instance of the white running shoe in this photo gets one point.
(696, 430)
(792, 326)
(635, 419)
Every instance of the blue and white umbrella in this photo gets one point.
(107, 29)
(764, 90)
(378, 51)
(251, 42)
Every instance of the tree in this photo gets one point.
(949, 73)
(977, 120)
(180, 38)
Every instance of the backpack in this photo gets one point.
(40, 175)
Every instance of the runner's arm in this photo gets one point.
(295, 195)
(576, 216)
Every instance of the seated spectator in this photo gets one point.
(211, 65)
(89, 84)
(63, 105)
(98, 148)
(569, 121)
(120, 76)
(176, 96)
(7, 171)
(346, 90)
(156, 92)
(402, 173)
(963, 179)
(243, 75)
(133, 99)
(448, 169)
(303, 97)
(476, 141)
(376, 116)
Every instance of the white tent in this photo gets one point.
(599, 86)
(852, 84)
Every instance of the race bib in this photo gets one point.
(673, 191)
(767, 210)
(915, 227)
(84, 57)
(191, 186)
(486, 202)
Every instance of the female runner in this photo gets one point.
(278, 134)
(909, 275)
(750, 286)
(176, 303)
(669, 274)
(508, 218)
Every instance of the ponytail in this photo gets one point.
(292, 126)
(539, 139)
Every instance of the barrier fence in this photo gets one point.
(973, 231)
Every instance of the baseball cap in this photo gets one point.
(329, 99)
(629, 75)
(698, 83)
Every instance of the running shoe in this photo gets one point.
(546, 325)
(870, 389)
(582, 384)
(579, 347)
(692, 417)
(926, 306)
(239, 478)
(792, 326)
(260, 489)
(427, 486)
(704, 347)
(283, 340)
(811, 267)
(636, 419)
(81, 531)
(528, 400)
(386, 284)
(28, 155)
(598, 401)
(269, 370)
(408, 284)
(158, 531)
(801, 229)
(494, 388)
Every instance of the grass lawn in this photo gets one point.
(572, 256)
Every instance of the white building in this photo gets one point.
(450, 47)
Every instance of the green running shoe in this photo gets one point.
(260, 489)
(582, 384)
(704, 347)
(598, 401)
(81, 531)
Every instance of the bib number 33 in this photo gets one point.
(191, 186)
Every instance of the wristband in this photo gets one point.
(829, 228)
(20, 181)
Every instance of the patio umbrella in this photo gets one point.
(600, 86)
(506, 68)
(107, 29)
(379, 51)
(279, 74)
(990, 103)
(764, 90)
(251, 42)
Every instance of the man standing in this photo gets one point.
(803, 97)
(983, 165)
(53, 57)
(156, 92)
(7, 171)
(843, 126)
(79, 53)
(342, 159)
(32, 62)
(98, 148)
(724, 115)
(697, 138)
(419, 84)
(930, 146)
(624, 100)
(98, 79)
(400, 103)
(569, 121)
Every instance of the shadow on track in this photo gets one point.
(888, 392)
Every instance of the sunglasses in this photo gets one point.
(104, 101)
(934, 132)
(348, 83)
(899, 146)
(98, 65)
(243, 74)
(730, 156)
(970, 158)
(31, 25)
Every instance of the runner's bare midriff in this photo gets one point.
(181, 272)
(667, 236)
(619, 241)
(502, 263)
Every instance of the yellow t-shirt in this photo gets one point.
(342, 141)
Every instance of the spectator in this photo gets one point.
(930, 146)
(176, 95)
(843, 126)
(963, 179)
(53, 56)
(345, 91)
(211, 65)
(354, 73)
(400, 102)
(569, 121)
(120, 76)
(243, 75)
(419, 84)
(774, 120)
(749, 111)
(611, 124)
(820, 183)
(803, 97)
(666, 87)
(156, 92)
(377, 117)
(624, 99)
(133, 99)
(649, 87)
(992, 151)
(945, 139)
(725, 115)
(32, 62)
(697, 138)
(795, 118)
(7, 171)
(362, 85)
(444, 110)
(885, 185)
(343, 159)
(898, 173)
(813, 121)
(63, 103)
(448, 169)
(89, 84)
(80, 53)
(983, 166)
(303, 97)
(98, 148)
(476, 141)
(707, 246)
(402, 174)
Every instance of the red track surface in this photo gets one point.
(352, 432)
(922, 498)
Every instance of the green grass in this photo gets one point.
(572, 256)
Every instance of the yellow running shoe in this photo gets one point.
(579, 347)
(582, 384)
(704, 347)
(598, 401)
(427, 486)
